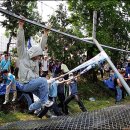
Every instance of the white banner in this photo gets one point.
(86, 69)
(94, 60)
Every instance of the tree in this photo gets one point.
(26, 8)
(112, 25)
(62, 47)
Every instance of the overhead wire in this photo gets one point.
(113, 48)
(57, 31)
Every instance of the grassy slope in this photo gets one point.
(14, 116)
(103, 98)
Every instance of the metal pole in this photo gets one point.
(54, 30)
(94, 24)
(40, 25)
(113, 48)
(107, 58)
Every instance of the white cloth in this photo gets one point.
(35, 51)
(64, 68)
(36, 98)
(49, 81)
(94, 60)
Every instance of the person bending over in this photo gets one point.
(73, 94)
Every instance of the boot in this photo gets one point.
(14, 96)
(6, 99)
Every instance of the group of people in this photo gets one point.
(7, 78)
(46, 80)
(34, 77)
(114, 83)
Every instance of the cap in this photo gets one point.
(128, 58)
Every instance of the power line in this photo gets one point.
(113, 48)
(54, 30)
(49, 6)
(54, 10)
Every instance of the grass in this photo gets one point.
(97, 104)
(15, 116)
(73, 108)
(103, 98)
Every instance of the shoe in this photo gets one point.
(48, 104)
(117, 102)
(53, 116)
(37, 111)
(43, 112)
(5, 102)
(13, 100)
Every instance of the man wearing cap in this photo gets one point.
(29, 68)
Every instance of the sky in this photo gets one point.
(45, 8)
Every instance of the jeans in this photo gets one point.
(69, 98)
(39, 87)
(35, 106)
(119, 94)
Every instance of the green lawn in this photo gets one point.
(103, 98)
(98, 104)
(73, 108)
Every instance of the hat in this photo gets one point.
(128, 58)
(35, 51)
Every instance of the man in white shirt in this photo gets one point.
(45, 66)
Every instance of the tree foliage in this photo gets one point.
(26, 8)
(112, 22)
(62, 47)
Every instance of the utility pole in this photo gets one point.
(105, 55)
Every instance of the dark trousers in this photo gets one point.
(77, 99)
(61, 98)
(45, 110)
(55, 107)
(123, 92)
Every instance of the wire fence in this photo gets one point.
(110, 118)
